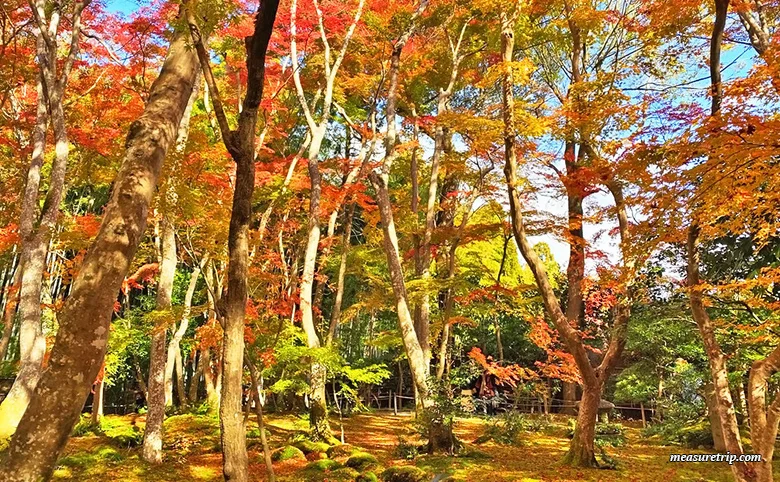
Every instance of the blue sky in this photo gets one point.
(123, 6)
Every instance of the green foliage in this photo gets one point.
(102, 455)
(121, 433)
(686, 434)
(635, 384)
(85, 427)
(610, 434)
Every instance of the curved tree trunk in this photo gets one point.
(84, 320)
(153, 436)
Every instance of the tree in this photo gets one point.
(36, 229)
(240, 144)
(81, 340)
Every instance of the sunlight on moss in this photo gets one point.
(203, 473)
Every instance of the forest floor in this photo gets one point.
(192, 453)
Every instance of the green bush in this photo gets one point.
(612, 434)
(360, 459)
(121, 433)
(345, 474)
(673, 432)
(404, 474)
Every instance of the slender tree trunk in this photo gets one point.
(269, 466)
(764, 416)
(569, 397)
(84, 320)
(9, 311)
(414, 352)
(339, 300)
(174, 347)
(717, 361)
(34, 246)
(212, 383)
(153, 433)
(318, 414)
(97, 402)
(197, 372)
(715, 356)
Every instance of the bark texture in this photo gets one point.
(153, 432)
(84, 320)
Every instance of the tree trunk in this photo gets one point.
(153, 433)
(197, 372)
(84, 320)
(97, 402)
(414, 352)
(34, 247)
(717, 361)
(582, 450)
(714, 417)
(240, 144)
(9, 312)
(269, 466)
(569, 398)
(174, 347)
(318, 415)
(764, 416)
(212, 383)
(339, 299)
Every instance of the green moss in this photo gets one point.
(345, 474)
(360, 459)
(307, 446)
(367, 477)
(286, 453)
(324, 464)
(121, 432)
(404, 474)
(342, 450)
(109, 454)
